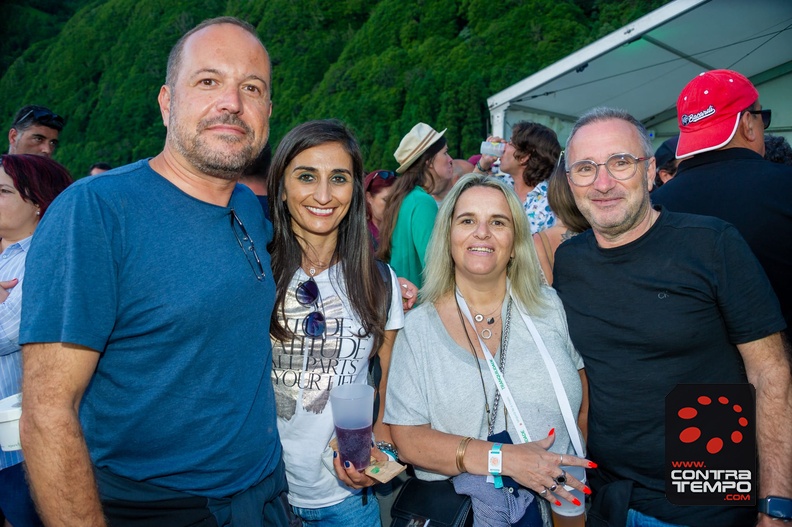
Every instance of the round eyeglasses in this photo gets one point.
(619, 166)
(307, 295)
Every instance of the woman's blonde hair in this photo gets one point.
(523, 270)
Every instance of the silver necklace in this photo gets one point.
(480, 317)
(314, 267)
(485, 333)
(504, 345)
(491, 417)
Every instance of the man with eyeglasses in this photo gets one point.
(35, 131)
(655, 299)
(145, 321)
(727, 176)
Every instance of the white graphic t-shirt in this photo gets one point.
(305, 369)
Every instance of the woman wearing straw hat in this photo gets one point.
(425, 168)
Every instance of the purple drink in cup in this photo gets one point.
(353, 409)
(354, 445)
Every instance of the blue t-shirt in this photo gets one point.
(159, 283)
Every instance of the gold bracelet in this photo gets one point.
(460, 454)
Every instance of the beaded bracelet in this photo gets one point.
(388, 448)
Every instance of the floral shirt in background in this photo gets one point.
(536, 206)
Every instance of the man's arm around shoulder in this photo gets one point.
(767, 364)
(55, 376)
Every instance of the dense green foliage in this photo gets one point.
(378, 65)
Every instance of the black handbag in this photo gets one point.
(436, 501)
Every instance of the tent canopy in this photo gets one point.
(643, 66)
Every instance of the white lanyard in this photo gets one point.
(500, 380)
(563, 400)
(497, 376)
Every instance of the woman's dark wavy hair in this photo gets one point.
(38, 179)
(541, 144)
(353, 254)
(416, 175)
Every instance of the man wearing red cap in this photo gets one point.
(722, 124)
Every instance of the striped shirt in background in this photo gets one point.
(12, 265)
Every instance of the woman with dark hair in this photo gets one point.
(569, 220)
(529, 158)
(378, 186)
(28, 184)
(331, 316)
(410, 212)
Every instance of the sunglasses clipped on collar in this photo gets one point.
(307, 294)
(45, 117)
(246, 244)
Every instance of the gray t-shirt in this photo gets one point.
(433, 380)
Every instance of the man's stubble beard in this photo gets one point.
(209, 161)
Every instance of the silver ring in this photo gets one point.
(561, 461)
(544, 492)
(560, 480)
(552, 487)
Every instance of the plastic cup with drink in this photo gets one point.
(492, 148)
(569, 514)
(10, 412)
(353, 411)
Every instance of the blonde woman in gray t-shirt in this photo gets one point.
(482, 275)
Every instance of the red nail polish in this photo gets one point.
(587, 491)
(576, 502)
(592, 464)
(552, 431)
(557, 503)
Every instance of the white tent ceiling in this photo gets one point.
(643, 66)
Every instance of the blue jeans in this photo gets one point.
(636, 519)
(351, 511)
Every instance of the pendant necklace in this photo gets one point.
(503, 344)
(490, 319)
(486, 333)
(479, 317)
(312, 266)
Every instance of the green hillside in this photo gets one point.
(379, 65)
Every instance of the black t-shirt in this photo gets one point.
(755, 195)
(668, 308)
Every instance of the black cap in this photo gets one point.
(666, 152)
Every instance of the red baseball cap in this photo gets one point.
(709, 108)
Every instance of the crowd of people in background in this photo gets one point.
(186, 317)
